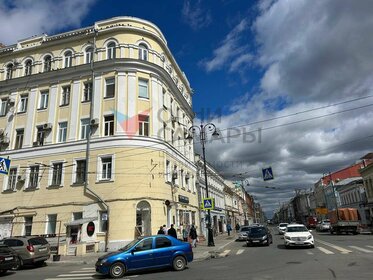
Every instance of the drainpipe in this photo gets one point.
(87, 154)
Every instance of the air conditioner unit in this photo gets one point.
(21, 178)
(4, 141)
(94, 122)
(11, 102)
(47, 126)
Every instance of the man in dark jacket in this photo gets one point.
(172, 232)
(193, 235)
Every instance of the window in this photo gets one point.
(168, 171)
(182, 178)
(110, 87)
(3, 107)
(106, 170)
(22, 107)
(57, 174)
(52, 222)
(143, 89)
(143, 125)
(19, 139)
(88, 54)
(34, 176)
(187, 176)
(12, 179)
(68, 59)
(40, 135)
(65, 97)
(44, 95)
(144, 245)
(109, 125)
(143, 52)
(84, 128)
(162, 242)
(80, 171)
(77, 216)
(62, 132)
(165, 131)
(9, 71)
(103, 221)
(28, 226)
(87, 93)
(164, 98)
(47, 63)
(28, 67)
(111, 50)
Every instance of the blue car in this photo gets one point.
(146, 253)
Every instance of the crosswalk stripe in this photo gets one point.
(86, 268)
(361, 249)
(342, 250)
(83, 271)
(79, 274)
(239, 252)
(369, 246)
(223, 254)
(326, 251)
(71, 278)
(309, 253)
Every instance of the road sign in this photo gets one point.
(208, 203)
(4, 165)
(267, 174)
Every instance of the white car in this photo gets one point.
(242, 234)
(298, 235)
(282, 227)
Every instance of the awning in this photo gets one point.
(81, 221)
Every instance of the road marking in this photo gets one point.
(86, 268)
(361, 249)
(239, 252)
(221, 247)
(326, 251)
(309, 253)
(80, 271)
(370, 246)
(342, 250)
(79, 274)
(70, 278)
(225, 253)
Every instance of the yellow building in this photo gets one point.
(129, 127)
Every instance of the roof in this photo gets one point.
(348, 181)
(367, 156)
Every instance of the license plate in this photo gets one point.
(298, 242)
(255, 241)
(42, 249)
(9, 258)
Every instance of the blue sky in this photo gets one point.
(278, 68)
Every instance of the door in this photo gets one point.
(163, 251)
(143, 218)
(142, 255)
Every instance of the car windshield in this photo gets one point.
(129, 245)
(297, 229)
(258, 230)
(282, 225)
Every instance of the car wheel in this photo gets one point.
(287, 246)
(117, 270)
(312, 246)
(179, 263)
(18, 265)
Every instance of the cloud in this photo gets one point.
(195, 16)
(37, 17)
(231, 53)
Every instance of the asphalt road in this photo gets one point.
(335, 257)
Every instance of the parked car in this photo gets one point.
(282, 227)
(242, 233)
(298, 235)
(259, 235)
(324, 225)
(30, 249)
(8, 259)
(146, 253)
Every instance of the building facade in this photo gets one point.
(94, 121)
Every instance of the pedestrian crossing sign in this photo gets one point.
(4, 165)
(208, 203)
(267, 174)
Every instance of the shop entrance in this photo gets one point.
(143, 219)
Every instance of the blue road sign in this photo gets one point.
(267, 174)
(4, 166)
(208, 203)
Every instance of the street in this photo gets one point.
(335, 257)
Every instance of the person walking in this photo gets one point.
(164, 229)
(229, 229)
(237, 227)
(160, 231)
(185, 233)
(193, 235)
(172, 232)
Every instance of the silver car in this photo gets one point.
(242, 233)
(282, 227)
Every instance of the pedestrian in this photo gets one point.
(237, 227)
(185, 233)
(229, 229)
(164, 229)
(172, 232)
(160, 231)
(193, 235)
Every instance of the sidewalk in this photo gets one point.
(201, 252)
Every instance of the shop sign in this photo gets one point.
(90, 229)
(183, 199)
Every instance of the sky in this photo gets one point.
(288, 83)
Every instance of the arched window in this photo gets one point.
(143, 52)
(143, 218)
(88, 54)
(111, 50)
(9, 71)
(47, 63)
(68, 59)
(28, 67)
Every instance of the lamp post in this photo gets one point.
(210, 127)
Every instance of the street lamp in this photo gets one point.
(210, 127)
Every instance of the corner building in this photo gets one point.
(140, 171)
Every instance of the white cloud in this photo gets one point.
(195, 16)
(37, 17)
